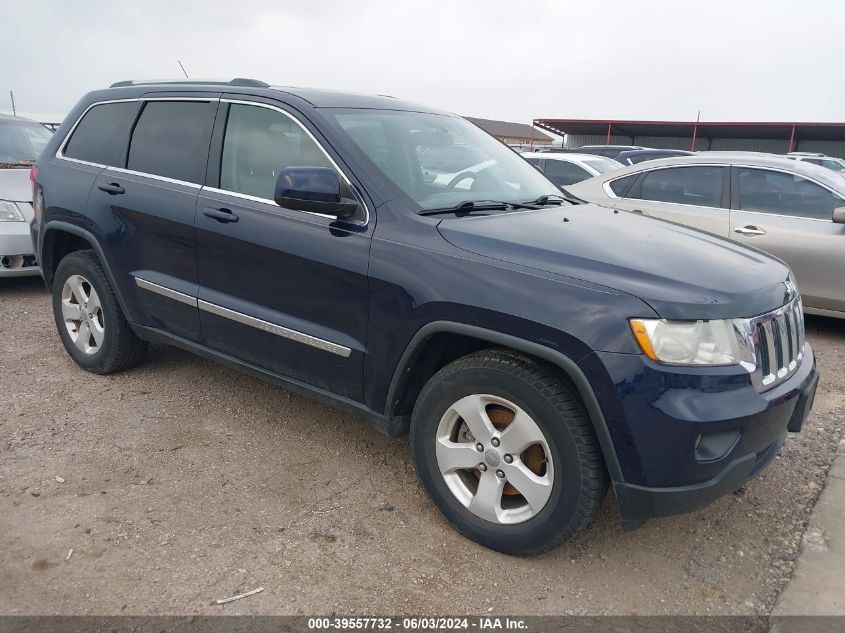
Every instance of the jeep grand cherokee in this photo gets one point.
(538, 349)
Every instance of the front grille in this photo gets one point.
(778, 344)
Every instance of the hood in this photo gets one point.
(15, 185)
(680, 272)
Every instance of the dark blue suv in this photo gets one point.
(537, 349)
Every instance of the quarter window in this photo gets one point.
(620, 186)
(101, 135)
(785, 194)
(258, 144)
(171, 139)
(700, 186)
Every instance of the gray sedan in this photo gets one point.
(792, 209)
(20, 142)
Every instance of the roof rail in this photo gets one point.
(237, 81)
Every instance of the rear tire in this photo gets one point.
(89, 319)
(485, 481)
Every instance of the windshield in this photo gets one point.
(440, 161)
(21, 141)
(602, 166)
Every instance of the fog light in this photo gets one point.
(713, 446)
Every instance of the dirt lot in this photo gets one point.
(185, 482)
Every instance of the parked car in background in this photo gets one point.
(608, 151)
(537, 350)
(567, 169)
(21, 140)
(634, 156)
(792, 209)
(828, 162)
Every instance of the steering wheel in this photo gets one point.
(460, 177)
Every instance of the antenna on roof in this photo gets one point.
(183, 68)
(12, 96)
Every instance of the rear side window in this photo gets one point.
(621, 186)
(100, 137)
(700, 186)
(562, 172)
(784, 194)
(171, 139)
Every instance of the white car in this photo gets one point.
(21, 140)
(830, 162)
(566, 169)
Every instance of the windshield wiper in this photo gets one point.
(469, 206)
(558, 199)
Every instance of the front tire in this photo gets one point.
(89, 319)
(506, 451)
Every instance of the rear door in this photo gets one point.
(282, 289)
(149, 201)
(791, 217)
(694, 195)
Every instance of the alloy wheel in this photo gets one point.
(82, 314)
(494, 459)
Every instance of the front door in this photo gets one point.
(281, 289)
(791, 217)
(694, 195)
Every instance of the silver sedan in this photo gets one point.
(793, 210)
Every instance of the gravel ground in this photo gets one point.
(181, 482)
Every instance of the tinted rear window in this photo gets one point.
(101, 135)
(171, 139)
(700, 186)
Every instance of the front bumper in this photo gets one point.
(16, 254)
(685, 439)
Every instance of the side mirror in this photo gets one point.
(839, 215)
(315, 189)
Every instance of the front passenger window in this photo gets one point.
(258, 144)
(784, 194)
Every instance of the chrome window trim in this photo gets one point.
(606, 186)
(683, 204)
(272, 328)
(610, 194)
(781, 170)
(164, 291)
(143, 174)
(60, 151)
(781, 215)
(246, 196)
(319, 145)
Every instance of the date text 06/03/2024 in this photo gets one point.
(417, 623)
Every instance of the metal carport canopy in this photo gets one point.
(706, 129)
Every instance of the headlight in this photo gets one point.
(9, 212)
(694, 342)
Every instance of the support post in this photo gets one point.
(791, 139)
(609, 124)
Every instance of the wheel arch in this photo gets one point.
(62, 238)
(398, 392)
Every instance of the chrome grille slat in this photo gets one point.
(778, 339)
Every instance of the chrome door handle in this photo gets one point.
(749, 230)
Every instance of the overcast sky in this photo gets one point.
(753, 60)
